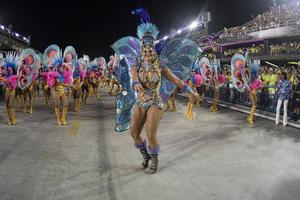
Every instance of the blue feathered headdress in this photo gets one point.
(147, 33)
(11, 61)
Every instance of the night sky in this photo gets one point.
(92, 27)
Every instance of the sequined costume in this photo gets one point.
(94, 74)
(153, 77)
(85, 82)
(60, 76)
(9, 77)
(149, 77)
(79, 73)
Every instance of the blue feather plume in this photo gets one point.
(11, 60)
(148, 28)
(143, 13)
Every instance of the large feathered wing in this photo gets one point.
(238, 70)
(254, 66)
(130, 47)
(28, 68)
(51, 53)
(206, 71)
(126, 99)
(70, 57)
(178, 55)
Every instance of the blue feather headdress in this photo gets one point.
(254, 66)
(147, 33)
(94, 66)
(11, 61)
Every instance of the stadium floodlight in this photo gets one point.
(166, 37)
(2, 27)
(193, 25)
(17, 34)
(24, 38)
(179, 31)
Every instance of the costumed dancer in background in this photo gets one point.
(211, 73)
(101, 62)
(93, 75)
(79, 73)
(218, 80)
(2, 73)
(201, 86)
(19, 97)
(245, 77)
(206, 72)
(27, 74)
(107, 78)
(111, 69)
(170, 104)
(43, 83)
(59, 77)
(198, 86)
(85, 83)
(10, 79)
(153, 81)
(102, 74)
(194, 81)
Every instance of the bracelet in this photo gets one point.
(187, 89)
(134, 83)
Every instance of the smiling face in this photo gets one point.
(149, 53)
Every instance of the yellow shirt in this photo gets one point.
(293, 80)
(264, 78)
(272, 83)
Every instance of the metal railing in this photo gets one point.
(265, 100)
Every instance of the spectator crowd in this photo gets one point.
(277, 16)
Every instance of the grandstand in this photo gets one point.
(11, 40)
(271, 36)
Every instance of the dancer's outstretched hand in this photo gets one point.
(138, 88)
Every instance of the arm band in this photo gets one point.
(187, 89)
